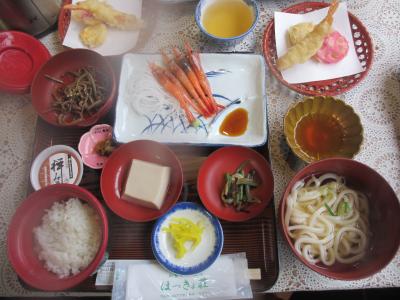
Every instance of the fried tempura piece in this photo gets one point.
(106, 14)
(306, 48)
(94, 35)
(298, 32)
(84, 17)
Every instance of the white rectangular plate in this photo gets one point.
(145, 111)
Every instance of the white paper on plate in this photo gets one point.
(117, 41)
(312, 70)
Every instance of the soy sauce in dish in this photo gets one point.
(235, 123)
(319, 135)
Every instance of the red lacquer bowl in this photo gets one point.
(20, 242)
(115, 173)
(57, 67)
(384, 217)
(64, 18)
(331, 87)
(211, 181)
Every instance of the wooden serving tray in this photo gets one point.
(129, 240)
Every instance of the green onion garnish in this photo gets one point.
(343, 208)
(346, 207)
(329, 210)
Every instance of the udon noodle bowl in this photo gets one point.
(327, 221)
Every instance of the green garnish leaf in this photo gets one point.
(343, 208)
(346, 207)
(329, 210)
(236, 191)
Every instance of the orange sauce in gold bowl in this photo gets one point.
(322, 127)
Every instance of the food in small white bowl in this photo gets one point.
(187, 240)
(226, 20)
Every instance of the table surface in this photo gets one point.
(376, 100)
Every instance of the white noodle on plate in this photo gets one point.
(147, 97)
(327, 221)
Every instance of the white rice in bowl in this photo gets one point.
(69, 237)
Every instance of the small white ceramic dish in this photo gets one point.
(204, 4)
(194, 261)
(145, 111)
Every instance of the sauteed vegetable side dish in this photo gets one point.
(81, 94)
(238, 186)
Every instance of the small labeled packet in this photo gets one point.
(227, 278)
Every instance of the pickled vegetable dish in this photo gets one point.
(238, 186)
(184, 231)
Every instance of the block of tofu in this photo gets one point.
(147, 184)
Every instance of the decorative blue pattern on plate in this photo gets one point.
(145, 111)
(217, 73)
(209, 256)
(160, 122)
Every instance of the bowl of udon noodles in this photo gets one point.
(341, 219)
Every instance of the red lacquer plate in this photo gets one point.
(21, 56)
(116, 171)
(211, 181)
(332, 87)
(20, 242)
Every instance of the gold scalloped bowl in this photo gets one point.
(322, 127)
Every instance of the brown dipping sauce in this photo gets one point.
(319, 135)
(235, 123)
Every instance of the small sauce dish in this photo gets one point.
(88, 142)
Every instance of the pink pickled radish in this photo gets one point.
(334, 49)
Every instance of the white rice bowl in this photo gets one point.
(68, 238)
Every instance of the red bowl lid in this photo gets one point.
(21, 56)
(210, 182)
